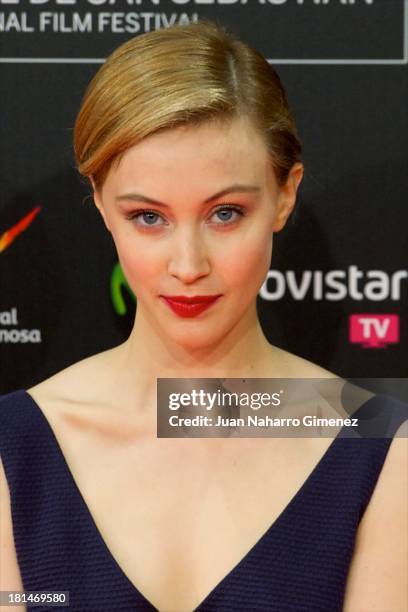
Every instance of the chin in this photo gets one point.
(197, 336)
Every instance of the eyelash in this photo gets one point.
(134, 215)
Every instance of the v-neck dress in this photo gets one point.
(300, 564)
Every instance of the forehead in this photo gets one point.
(213, 152)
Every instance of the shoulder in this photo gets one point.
(83, 382)
(81, 402)
(330, 386)
(379, 568)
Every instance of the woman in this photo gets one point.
(190, 147)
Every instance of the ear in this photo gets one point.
(287, 197)
(98, 201)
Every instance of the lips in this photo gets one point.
(185, 306)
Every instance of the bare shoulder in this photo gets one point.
(81, 404)
(378, 576)
(81, 382)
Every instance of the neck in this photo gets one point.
(146, 355)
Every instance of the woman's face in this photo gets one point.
(192, 211)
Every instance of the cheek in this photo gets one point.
(139, 264)
(247, 264)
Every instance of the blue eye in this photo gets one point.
(149, 217)
(225, 213)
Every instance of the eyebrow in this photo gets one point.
(237, 188)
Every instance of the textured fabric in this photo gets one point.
(300, 564)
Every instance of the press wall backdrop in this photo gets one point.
(337, 289)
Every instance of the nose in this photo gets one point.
(189, 259)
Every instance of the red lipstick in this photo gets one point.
(185, 306)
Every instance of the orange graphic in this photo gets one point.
(11, 234)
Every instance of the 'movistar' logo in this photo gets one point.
(374, 330)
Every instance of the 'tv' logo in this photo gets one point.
(374, 330)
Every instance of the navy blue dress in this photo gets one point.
(300, 564)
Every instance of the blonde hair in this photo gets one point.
(177, 76)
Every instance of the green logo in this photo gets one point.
(118, 286)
